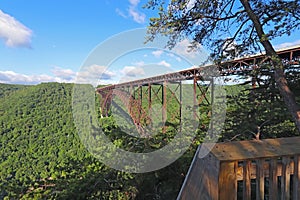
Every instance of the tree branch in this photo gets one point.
(200, 16)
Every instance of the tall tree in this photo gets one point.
(249, 25)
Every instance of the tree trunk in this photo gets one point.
(280, 79)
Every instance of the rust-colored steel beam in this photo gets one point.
(187, 74)
(195, 98)
(289, 56)
(105, 102)
(149, 100)
(133, 105)
(164, 105)
(180, 105)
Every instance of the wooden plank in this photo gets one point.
(228, 181)
(201, 181)
(255, 149)
(273, 181)
(285, 179)
(296, 178)
(260, 180)
(247, 180)
(266, 168)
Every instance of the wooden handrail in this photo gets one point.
(230, 169)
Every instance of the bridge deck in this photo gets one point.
(289, 55)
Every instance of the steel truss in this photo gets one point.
(138, 96)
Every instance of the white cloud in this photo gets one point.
(136, 15)
(16, 78)
(133, 12)
(197, 56)
(63, 73)
(119, 12)
(94, 74)
(134, 2)
(287, 44)
(157, 53)
(174, 56)
(14, 33)
(133, 71)
(139, 64)
(164, 63)
(182, 48)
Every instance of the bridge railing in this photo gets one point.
(257, 169)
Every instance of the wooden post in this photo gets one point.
(260, 182)
(273, 181)
(247, 180)
(285, 179)
(296, 180)
(228, 181)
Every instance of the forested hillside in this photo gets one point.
(42, 157)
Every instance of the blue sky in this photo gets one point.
(50, 40)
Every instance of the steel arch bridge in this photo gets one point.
(138, 96)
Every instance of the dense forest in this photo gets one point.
(42, 157)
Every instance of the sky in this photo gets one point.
(68, 41)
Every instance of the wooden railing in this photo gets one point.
(256, 169)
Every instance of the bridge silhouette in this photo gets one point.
(138, 96)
